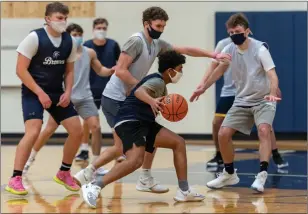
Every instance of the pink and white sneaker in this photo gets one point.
(64, 178)
(16, 187)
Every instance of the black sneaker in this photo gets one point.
(216, 161)
(279, 161)
(83, 156)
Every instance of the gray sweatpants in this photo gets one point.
(243, 118)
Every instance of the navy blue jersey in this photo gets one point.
(135, 109)
(108, 55)
(48, 65)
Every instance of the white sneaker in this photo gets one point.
(85, 175)
(188, 196)
(149, 184)
(223, 179)
(258, 184)
(28, 164)
(90, 193)
(101, 171)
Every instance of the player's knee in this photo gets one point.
(223, 135)
(33, 133)
(95, 127)
(217, 121)
(264, 130)
(180, 143)
(76, 131)
(137, 162)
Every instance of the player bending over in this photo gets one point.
(136, 127)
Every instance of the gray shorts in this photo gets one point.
(86, 108)
(110, 109)
(242, 119)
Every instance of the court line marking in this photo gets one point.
(283, 175)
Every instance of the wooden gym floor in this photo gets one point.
(286, 189)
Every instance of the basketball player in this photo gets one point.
(135, 61)
(108, 52)
(256, 81)
(81, 96)
(139, 132)
(45, 60)
(225, 102)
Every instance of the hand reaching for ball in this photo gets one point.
(156, 105)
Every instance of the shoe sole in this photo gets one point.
(15, 192)
(256, 189)
(236, 182)
(64, 184)
(140, 189)
(181, 201)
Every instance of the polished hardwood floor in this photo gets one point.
(286, 189)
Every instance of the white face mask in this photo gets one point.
(60, 26)
(177, 77)
(99, 34)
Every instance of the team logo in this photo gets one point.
(55, 54)
(53, 60)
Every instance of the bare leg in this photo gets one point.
(134, 160)
(225, 144)
(94, 126)
(50, 128)
(23, 150)
(264, 132)
(72, 143)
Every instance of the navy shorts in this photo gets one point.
(110, 109)
(97, 100)
(138, 133)
(223, 106)
(33, 109)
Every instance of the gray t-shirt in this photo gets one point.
(143, 54)
(249, 72)
(157, 86)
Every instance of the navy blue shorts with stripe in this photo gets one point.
(223, 106)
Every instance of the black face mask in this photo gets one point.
(154, 34)
(238, 39)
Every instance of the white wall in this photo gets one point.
(191, 23)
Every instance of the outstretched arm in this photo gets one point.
(97, 66)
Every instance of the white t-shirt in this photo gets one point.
(28, 47)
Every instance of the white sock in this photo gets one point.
(84, 147)
(94, 158)
(145, 173)
(33, 154)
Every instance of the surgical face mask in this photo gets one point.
(154, 34)
(177, 76)
(238, 39)
(100, 34)
(58, 26)
(78, 40)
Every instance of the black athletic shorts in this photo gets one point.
(223, 106)
(138, 133)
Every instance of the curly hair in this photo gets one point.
(74, 27)
(154, 13)
(170, 59)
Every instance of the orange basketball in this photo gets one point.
(175, 108)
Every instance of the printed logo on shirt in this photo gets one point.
(53, 60)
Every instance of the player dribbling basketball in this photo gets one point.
(136, 127)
